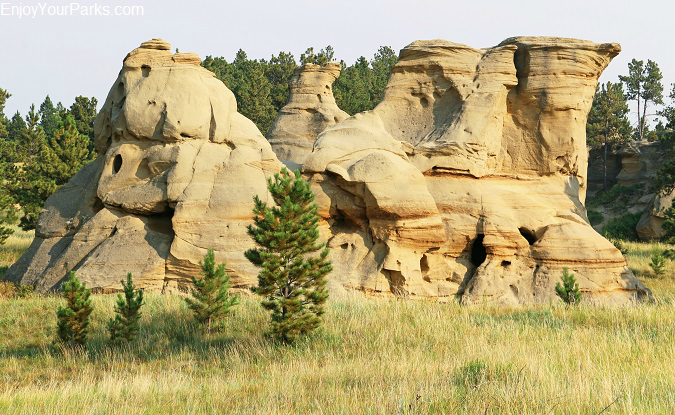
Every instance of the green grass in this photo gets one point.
(371, 357)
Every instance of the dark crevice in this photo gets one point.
(529, 235)
(478, 251)
(117, 163)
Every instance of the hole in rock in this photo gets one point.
(117, 163)
(424, 264)
(478, 251)
(344, 245)
(528, 235)
(145, 70)
(506, 263)
(424, 102)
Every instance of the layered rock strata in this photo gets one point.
(467, 180)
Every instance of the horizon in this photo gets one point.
(376, 24)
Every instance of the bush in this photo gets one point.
(568, 291)
(595, 217)
(125, 325)
(615, 197)
(73, 319)
(623, 227)
(210, 296)
(9, 290)
(658, 263)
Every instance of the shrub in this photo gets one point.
(10, 289)
(125, 325)
(73, 319)
(568, 291)
(623, 227)
(292, 282)
(210, 296)
(669, 224)
(658, 264)
(615, 197)
(595, 217)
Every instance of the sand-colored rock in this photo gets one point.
(311, 108)
(176, 173)
(495, 139)
(467, 180)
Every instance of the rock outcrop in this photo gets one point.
(311, 108)
(176, 173)
(633, 168)
(467, 180)
(469, 177)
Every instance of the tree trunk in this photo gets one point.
(604, 167)
(639, 117)
(644, 116)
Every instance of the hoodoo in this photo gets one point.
(467, 180)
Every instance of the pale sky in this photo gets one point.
(66, 56)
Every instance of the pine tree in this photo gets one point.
(568, 291)
(643, 84)
(278, 72)
(292, 282)
(73, 319)
(7, 214)
(658, 264)
(125, 325)
(607, 120)
(211, 300)
(49, 117)
(322, 57)
(84, 112)
(55, 162)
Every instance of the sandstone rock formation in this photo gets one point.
(310, 109)
(467, 180)
(469, 177)
(176, 173)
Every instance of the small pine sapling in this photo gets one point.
(568, 291)
(211, 299)
(124, 327)
(73, 319)
(658, 264)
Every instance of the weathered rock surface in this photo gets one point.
(469, 177)
(311, 108)
(467, 180)
(176, 173)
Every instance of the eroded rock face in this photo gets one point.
(311, 108)
(633, 166)
(176, 173)
(469, 177)
(467, 180)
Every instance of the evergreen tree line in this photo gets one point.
(610, 123)
(262, 86)
(39, 153)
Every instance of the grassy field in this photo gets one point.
(371, 357)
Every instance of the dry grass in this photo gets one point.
(371, 357)
(13, 247)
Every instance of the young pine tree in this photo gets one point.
(73, 319)
(568, 291)
(658, 264)
(292, 282)
(210, 296)
(125, 325)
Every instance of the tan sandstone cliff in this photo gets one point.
(468, 179)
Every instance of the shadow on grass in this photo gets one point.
(160, 336)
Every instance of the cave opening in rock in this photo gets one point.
(528, 235)
(478, 251)
(117, 163)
